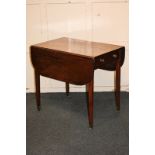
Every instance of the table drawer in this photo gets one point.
(108, 61)
(62, 66)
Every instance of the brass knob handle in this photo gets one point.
(114, 55)
(102, 60)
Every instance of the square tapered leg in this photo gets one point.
(37, 86)
(117, 86)
(90, 88)
(67, 88)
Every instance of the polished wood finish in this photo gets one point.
(78, 47)
(74, 61)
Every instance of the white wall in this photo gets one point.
(94, 20)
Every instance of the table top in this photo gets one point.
(78, 47)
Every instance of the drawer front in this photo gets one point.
(108, 61)
(62, 66)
